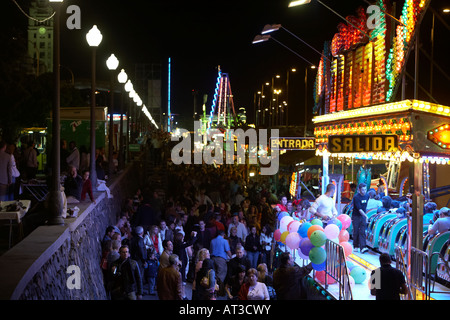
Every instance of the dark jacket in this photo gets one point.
(233, 266)
(137, 250)
(287, 282)
(73, 186)
(126, 279)
(252, 241)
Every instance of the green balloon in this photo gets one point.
(317, 255)
(317, 222)
(318, 238)
(359, 274)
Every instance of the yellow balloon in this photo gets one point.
(283, 237)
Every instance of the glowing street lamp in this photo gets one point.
(302, 2)
(268, 28)
(94, 38)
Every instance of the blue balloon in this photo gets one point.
(318, 267)
(350, 265)
(303, 229)
(336, 222)
(282, 214)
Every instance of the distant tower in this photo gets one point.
(40, 36)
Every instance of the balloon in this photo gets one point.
(352, 281)
(283, 237)
(277, 235)
(317, 222)
(318, 238)
(345, 220)
(312, 229)
(348, 249)
(344, 236)
(359, 274)
(284, 223)
(335, 222)
(350, 265)
(320, 276)
(293, 240)
(335, 240)
(318, 267)
(300, 253)
(293, 226)
(282, 214)
(303, 229)
(306, 246)
(331, 231)
(317, 255)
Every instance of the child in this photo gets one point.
(152, 270)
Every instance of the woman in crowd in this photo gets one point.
(252, 289)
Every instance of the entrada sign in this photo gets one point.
(293, 143)
(362, 143)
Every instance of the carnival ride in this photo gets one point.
(222, 114)
(355, 96)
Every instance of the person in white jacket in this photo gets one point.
(324, 206)
(153, 239)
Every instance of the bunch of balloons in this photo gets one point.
(309, 238)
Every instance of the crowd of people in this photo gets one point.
(212, 230)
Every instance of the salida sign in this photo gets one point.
(362, 143)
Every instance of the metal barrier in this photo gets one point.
(402, 265)
(420, 279)
(441, 263)
(336, 267)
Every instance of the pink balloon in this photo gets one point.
(284, 223)
(320, 276)
(331, 231)
(293, 240)
(277, 235)
(348, 249)
(344, 236)
(345, 220)
(293, 226)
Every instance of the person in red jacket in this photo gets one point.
(87, 187)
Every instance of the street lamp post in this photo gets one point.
(122, 78)
(55, 197)
(112, 63)
(94, 38)
(129, 89)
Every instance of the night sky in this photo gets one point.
(199, 35)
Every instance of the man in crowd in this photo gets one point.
(287, 279)
(387, 283)
(324, 207)
(359, 218)
(168, 280)
(125, 277)
(5, 171)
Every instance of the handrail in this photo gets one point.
(336, 267)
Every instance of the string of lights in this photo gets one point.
(30, 17)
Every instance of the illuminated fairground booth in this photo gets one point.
(358, 118)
